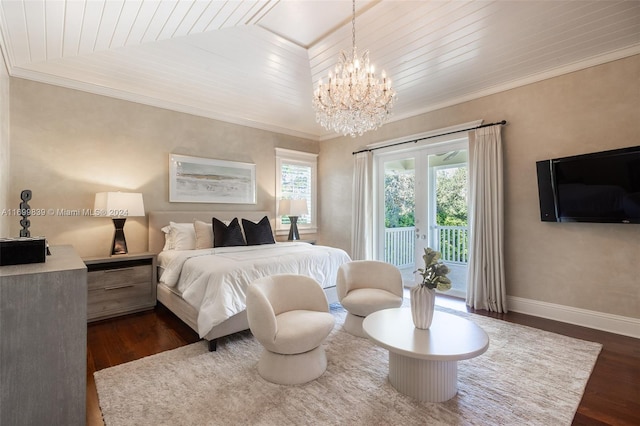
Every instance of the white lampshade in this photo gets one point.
(293, 207)
(118, 204)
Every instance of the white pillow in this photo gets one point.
(168, 238)
(183, 236)
(204, 234)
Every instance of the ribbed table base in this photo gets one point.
(424, 380)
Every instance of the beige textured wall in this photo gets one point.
(4, 147)
(66, 145)
(583, 265)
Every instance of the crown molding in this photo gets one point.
(151, 101)
(178, 107)
(534, 78)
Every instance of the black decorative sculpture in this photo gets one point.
(25, 211)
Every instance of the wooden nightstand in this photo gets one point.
(120, 284)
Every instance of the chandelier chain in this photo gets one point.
(353, 27)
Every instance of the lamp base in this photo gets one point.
(119, 245)
(293, 230)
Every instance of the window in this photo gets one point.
(295, 180)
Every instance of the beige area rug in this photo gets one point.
(527, 377)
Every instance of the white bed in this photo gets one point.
(206, 287)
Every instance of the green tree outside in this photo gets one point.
(399, 199)
(451, 197)
(451, 204)
(451, 209)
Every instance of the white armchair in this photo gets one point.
(367, 286)
(289, 315)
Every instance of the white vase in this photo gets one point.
(423, 302)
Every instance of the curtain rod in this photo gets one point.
(503, 122)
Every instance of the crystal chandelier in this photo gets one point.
(354, 100)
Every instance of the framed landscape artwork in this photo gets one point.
(205, 180)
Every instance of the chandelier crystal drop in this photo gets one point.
(354, 100)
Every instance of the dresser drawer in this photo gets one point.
(114, 278)
(111, 299)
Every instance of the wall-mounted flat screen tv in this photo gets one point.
(596, 187)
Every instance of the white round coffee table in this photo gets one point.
(424, 363)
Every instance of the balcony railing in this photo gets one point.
(453, 243)
(399, 245)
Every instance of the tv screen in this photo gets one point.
(597, 187)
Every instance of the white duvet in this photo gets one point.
(214, 281)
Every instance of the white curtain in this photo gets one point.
(485, 285)
(362, 219)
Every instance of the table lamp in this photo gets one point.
(119, 206)
(293, 209)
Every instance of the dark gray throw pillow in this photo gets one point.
(227, 236)
(258, 233)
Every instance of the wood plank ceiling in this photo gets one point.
(255, 62)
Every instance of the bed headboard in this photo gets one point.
(158, 220)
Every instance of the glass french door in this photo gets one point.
(421, 201)
(396, 207)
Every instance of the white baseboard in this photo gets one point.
(617, 324)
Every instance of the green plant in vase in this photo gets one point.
(423, 295)
(434, 273)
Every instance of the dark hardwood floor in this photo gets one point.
(127, 338)
(612, 395)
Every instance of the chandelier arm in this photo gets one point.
(331, 98)
(325, 106)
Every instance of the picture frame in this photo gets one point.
(207, 180)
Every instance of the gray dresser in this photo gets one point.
(43, 341)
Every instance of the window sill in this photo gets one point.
(300, 231)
